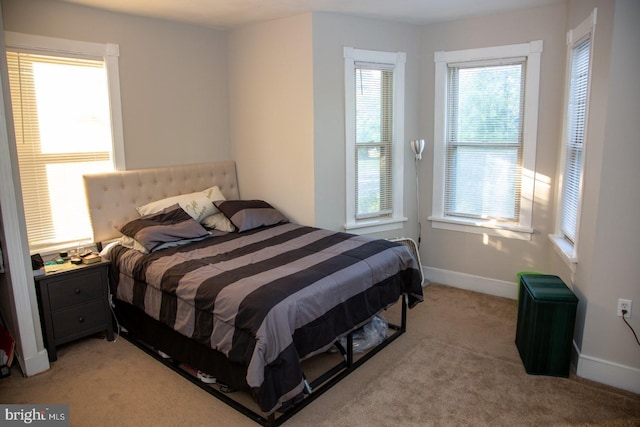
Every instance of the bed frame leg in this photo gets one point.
(350, 350)
(405, 303)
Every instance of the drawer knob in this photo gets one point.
(77, 291)
(80, 319)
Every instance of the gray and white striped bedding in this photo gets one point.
(270, 297)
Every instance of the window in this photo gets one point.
(374, 100)
(574, 134)
(485, 139)
(64, 115)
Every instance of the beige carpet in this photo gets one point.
(456, 365)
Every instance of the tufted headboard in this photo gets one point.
(112, 197)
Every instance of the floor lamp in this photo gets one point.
(417, 146)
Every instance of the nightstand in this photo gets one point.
(74, 303)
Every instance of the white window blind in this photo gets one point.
(576, 125)
(484, 140)
(374, 131)
(62, 123)
(374, 140)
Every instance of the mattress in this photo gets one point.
(268, 298)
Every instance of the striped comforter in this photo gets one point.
(270, 297)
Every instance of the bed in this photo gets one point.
(250, 298)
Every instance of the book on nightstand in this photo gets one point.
(91, 259)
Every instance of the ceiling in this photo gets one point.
(224, 14)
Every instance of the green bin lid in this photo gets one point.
(545, 287)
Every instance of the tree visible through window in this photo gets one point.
(485, 136)
(374, 133)
(484, 141)
(374, 139)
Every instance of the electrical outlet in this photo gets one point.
(624, 304)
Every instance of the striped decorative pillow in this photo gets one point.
(249, 214)
(169, 225)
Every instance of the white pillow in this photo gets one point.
(198, 205)
(218, 222)
(131, 243)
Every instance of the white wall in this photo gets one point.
(287, 109)
(609, 234)
(174, 91)
(280, 98)
(453, 254)
(271, 93)
(173, 78)
(17, 290)
(331, 33)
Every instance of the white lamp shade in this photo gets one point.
(417, 145)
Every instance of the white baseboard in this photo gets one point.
(609, 373)
(588, 367)
(35, 364)
(500, 288)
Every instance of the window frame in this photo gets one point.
(567, 249)
(396, 60)
(107, 52)
(523, 230)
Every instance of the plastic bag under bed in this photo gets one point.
(368, 336)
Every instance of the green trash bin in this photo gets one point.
(546, 319)
(519, 276)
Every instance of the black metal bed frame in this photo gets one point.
(313, 389)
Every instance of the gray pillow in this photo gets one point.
(169, 225)
(249, 214)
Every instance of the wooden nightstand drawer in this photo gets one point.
(78, 321)
(75, 290)
(74, 303)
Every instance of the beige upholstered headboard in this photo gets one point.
(112, 197)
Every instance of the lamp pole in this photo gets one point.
(417, 146)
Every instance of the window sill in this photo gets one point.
(481, 227)
(375, 226)
(565, 249)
